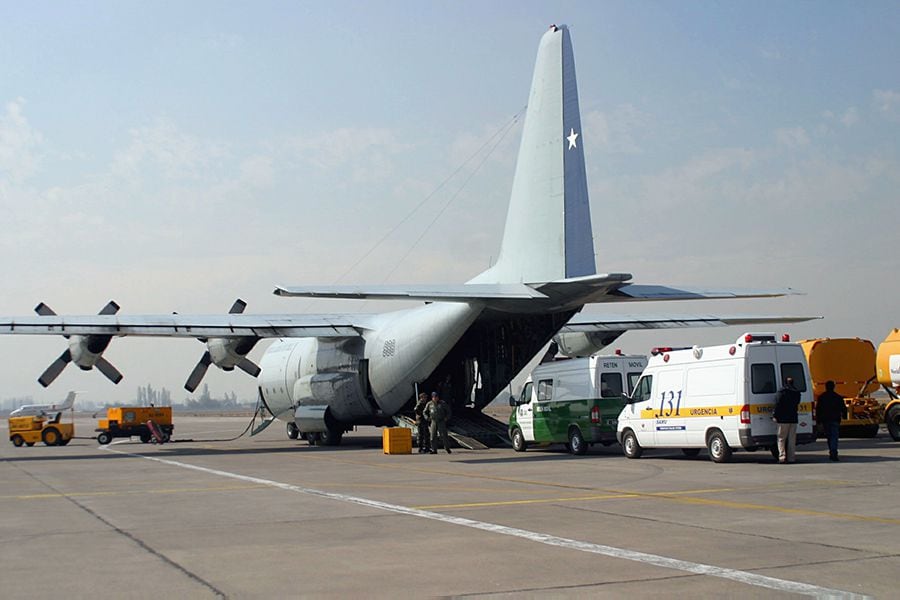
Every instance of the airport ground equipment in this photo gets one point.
(127, 421)
(850, 364)
(718, 398)
(31, 429)
(396, 440)
(887, 367)
(573, 401)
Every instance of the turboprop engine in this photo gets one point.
(225, 353)
(577, 344)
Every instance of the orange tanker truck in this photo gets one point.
(850, 363)
(887, 369)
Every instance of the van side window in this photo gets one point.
(642, 391)
(632, 381)
(610, 385)
(794, 370)
(762, 378)
(526, 394)
(545, 390)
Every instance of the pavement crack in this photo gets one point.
(136, 540)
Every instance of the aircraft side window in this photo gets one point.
(642, 391)
(762, 378)
(526, 393)
(610, 385)
(794, 370)
(632, 381)
(545, 390)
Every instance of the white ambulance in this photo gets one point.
(720, 398)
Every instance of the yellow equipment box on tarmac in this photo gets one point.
(126, 421)
(397, 440)
(38, 428)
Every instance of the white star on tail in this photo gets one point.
(572, 137)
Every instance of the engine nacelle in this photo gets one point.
(87, 349)
(226, 353)
(578, 344)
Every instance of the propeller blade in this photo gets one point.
(44, 310)
(111, 308)
(238, 307)
(249, 367)
(55, 368)
(105, 367)
(199, 371)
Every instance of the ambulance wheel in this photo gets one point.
(17, 440)
(51, 436)
(577, 445)
(293, 432)
(518, 440)
(719, 451)
(104, 438)
(893, 422)
(690, 452)
(630, 446)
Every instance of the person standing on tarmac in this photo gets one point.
(438, 413)
(787, 401)
(830, 408)
(422, 430)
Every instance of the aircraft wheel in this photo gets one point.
(893, 422)
(51, 436)
(690, 452)
(630, 446)
(332, 436)
(577, 445)
(103, 438)
(293, 432)
(518, 440)
(17, 440)
(719, 451)
(313, 438)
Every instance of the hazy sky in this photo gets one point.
(176, 155)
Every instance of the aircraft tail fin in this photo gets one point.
(548, 234)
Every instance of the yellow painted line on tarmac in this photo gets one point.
(531, 501)
(130, 492)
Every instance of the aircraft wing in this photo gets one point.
(599, 322)
(190, 326)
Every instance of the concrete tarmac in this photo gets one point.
(272, 517)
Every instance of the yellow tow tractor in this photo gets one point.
(38, 428)
(887, 367)
(850, 363)
(34, 423)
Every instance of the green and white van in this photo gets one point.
(574, 401)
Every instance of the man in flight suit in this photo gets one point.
(422, 432)
(438, 413)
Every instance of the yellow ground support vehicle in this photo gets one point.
(850, 363)
(126, 421)
(38, 428)
(887, 367)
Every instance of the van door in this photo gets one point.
(791, 363)
(669, 427)
(633, 415)
(761, 399)
(525, 413)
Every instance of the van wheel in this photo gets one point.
(518, 440)
(630, 446)
(719, 451)
(690, 452)
(893, 422)
(51, 436)
(17, 440)
(577, 445)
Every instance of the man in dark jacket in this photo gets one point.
(787, 400)
(830, 408)
(422, 433)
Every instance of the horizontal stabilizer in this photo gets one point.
(436, 292)
(661, 292)
(598, 322)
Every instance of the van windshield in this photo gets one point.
(642, 392)
(526, 394)
(632, 381)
